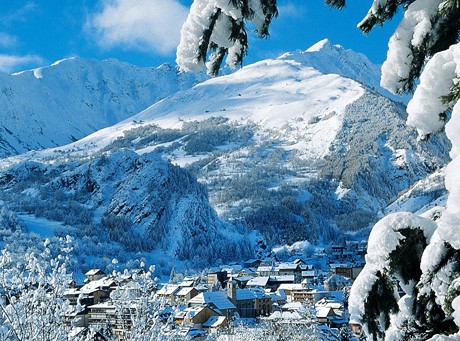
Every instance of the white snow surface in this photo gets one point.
(272, 93)
(295, 110)
(200, 19)
(412, 30)
(425, 107)
(424, 110)
(333, 58)
(456, 306)
(453, 337)
(74, 97)
(43, 227)
(384, 238)
(449, 226)
(302, 245)
(420, 198)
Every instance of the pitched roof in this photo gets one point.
(292, 286)
(186, 283)
(265, 268)
(104, 282)
(193, 311)
(299, 261)
(72, 292)
(242, 278)
(284, 278)
(168, 289)
(323, 312)
(325, 302)
(214, 321)
(244, 294)
(280, 296)
(93, 272)
(258, 281)
(218, 298)
(287, 266)
(104, 305)
(184, 291)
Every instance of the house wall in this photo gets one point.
(246, 308)
(203, 316)
(263, 306)
(344, 271)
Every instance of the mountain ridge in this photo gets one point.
(286, 150)
(55, 105)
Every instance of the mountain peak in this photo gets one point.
(324, 44)
(329, 58)
(64, 60)
(86, 94)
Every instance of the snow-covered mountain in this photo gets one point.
(299, 147)
(125, 202)
(59, 104)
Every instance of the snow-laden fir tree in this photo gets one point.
(419, 253)
(217, 28)
(430, 308)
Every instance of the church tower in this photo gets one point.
(231, 290)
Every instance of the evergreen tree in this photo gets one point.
(217, 28)
(427, 264)
(429, 30)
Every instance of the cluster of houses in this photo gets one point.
(258, 289)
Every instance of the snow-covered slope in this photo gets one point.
(284, 146)
(72, 98)
(140, 202)
(425, 194)
(329, 58)
(269, 93)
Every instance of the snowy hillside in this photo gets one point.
(284, 147)
(55, 105)
(329, 58)
(422, 196)
(122, 203)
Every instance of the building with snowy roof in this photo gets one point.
(347, 270)
(275, 281)
(332, 317)
(96, 291)
(186, 294)
(103, 283)
(216, 276)
(260, 282)
(187, 283)
(215, 299)
(252, 263)
(195, 315)
(168, 291)
(242, 281)
(106, 314)
(295, 292)
(266, 270)
(95, 274)
(215, 322)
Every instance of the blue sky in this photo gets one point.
(145, 32)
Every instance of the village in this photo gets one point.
(291, 290)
